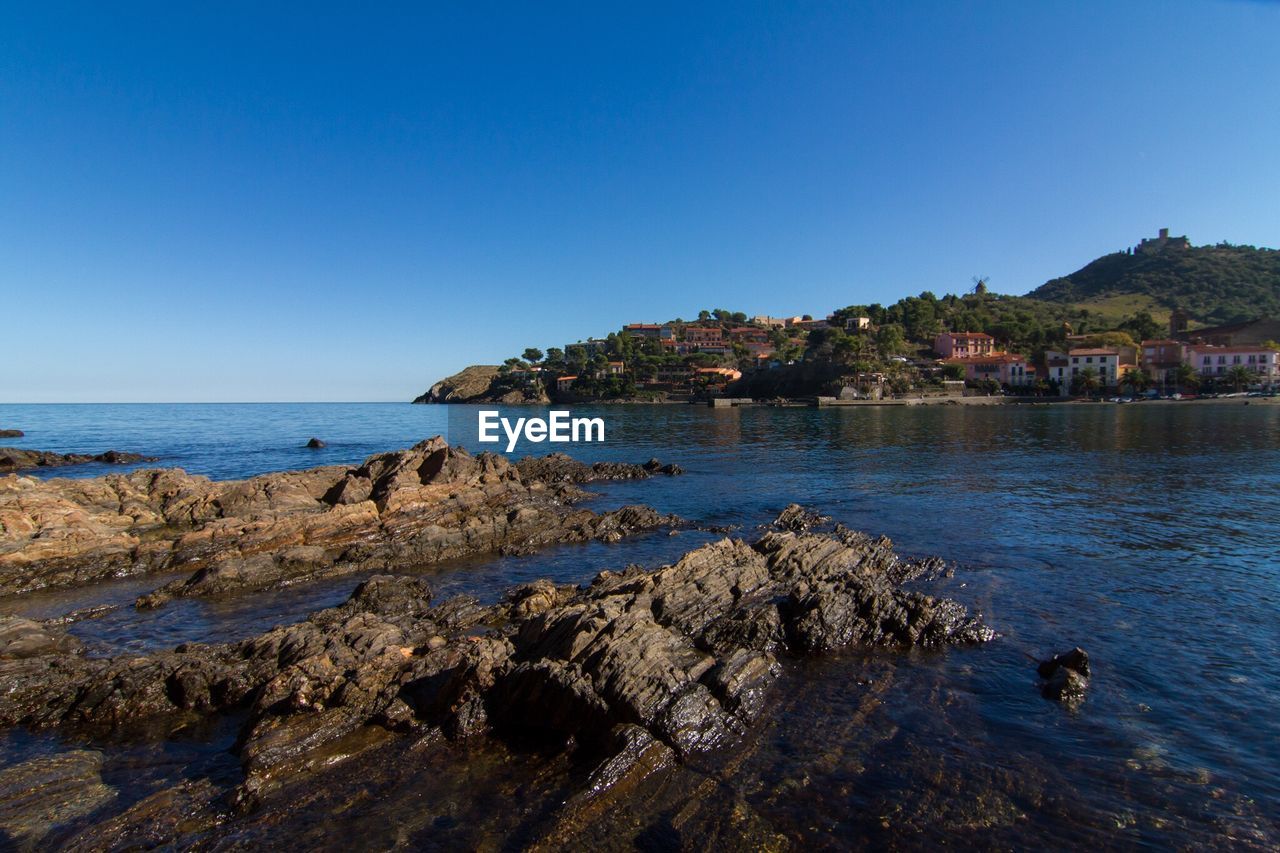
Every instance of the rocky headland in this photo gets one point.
(482, 383)
(634, 673)
(406, 508)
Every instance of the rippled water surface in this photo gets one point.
(1145, 533)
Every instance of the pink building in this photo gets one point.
(1217, 361)
(1005, 368)
(964, 344)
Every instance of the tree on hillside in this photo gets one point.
(890, 339)
(1109, 339)
(1142, 326)
(533, 355)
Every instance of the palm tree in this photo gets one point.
(1186, 377)
(1087, 381)
(1239, 376)
(1138, 380)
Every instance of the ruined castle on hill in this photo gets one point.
(1151, 246)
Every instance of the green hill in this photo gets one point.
(1213, 284)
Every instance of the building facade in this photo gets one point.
(964, 344)
(1162, 358)
(1004, 368)
(1106, 363)
(1216, 362)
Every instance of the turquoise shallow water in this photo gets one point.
(1145, 533)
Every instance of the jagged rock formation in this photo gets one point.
(642, 668)
(422, 505)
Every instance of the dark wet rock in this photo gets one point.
(41, 793)
(655, 466)
(17, 459)
(315, 443)
(1065, 685)
(429, 503)
(1066, 675)
(181, 812)
(11, 433)
(561, 468)
(1077, 659)
(635, 671)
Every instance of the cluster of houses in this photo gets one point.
(712, 340)
(1211, 353)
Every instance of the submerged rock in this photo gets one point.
(429, 503)
(1066, 675)
(39, 794)
(11, 433)
(315, 444)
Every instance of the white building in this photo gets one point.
(1104, 362)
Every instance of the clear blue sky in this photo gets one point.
(331, 203)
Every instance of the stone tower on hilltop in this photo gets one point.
(1151, 246)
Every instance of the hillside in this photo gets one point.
(1213, 284)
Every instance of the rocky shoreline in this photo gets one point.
(430, 503)
(636, 672)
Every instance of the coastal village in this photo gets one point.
(854, 355)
